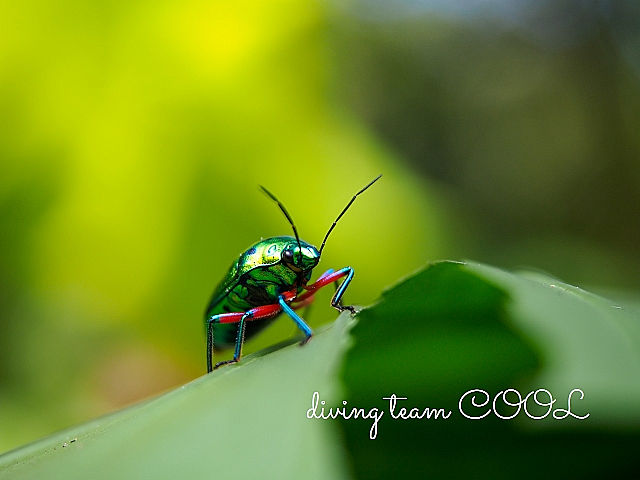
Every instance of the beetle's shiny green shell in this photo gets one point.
(257, 278)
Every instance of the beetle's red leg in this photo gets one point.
(329, 277)
(226, 318)
(320, 280)
(325, 279)
(325, 274)
(303, 302)
(256, 313)
(311, 289)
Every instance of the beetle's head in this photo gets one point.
(300, 257)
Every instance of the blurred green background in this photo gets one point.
(133, 137)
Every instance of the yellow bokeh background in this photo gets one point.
(133, 139)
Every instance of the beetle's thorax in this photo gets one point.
(299, 257)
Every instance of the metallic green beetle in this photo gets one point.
(270, 278)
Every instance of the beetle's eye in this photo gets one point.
(287, 256)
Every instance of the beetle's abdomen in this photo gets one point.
(247, 295)
(260, 286)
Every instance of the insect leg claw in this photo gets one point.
(351, 308)
(226, 362)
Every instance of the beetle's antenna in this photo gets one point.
(343, 211)
(286, 214)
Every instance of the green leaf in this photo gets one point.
(456, 327)
(242, 421)
(437, 334)
(586, 341)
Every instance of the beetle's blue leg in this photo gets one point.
(337, 297)
(237, 353)
(294, 316)
(257, 313)
(209, 346)
(305, 303)
(220, 318)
